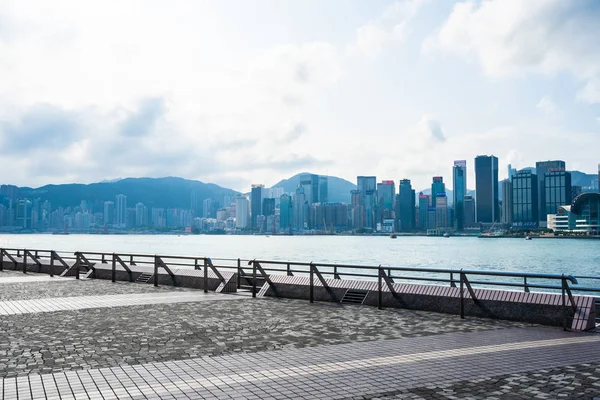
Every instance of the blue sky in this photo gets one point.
(238, 92)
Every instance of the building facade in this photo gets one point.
(525, 199)
(406, 209)
(486, 188)
(541, 169)
(459, 185)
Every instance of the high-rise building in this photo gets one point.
(406, 206)
(423, 205)
(256, 196)
(300, 208)
(524, 197)
(242, 212)
(557, 190)
(109, 212)
(121, 211)
(437, 186)
(507, 201)
(208, 208)
(323, 189)
(459, 184)
(358, 210)
(598, 181)
(469, 211)
(286, 212)
(268, 207)
(441, 210)
(386, 193)
(141, 215)
(486, 189)
(310, 183)
(367, 185)
(511, 172)
(541, 169)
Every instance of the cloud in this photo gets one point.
(143, 121)
(512, 37)
(296, 131)
(431, 128)
(590, 92)
(41, 126)
(547, 106)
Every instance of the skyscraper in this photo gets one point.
(310, 183)
(507, 201)
(256, 196)
(437, 186)
(367, 185)
(459, 184)
(286, 212)
(406, 206)
(525, 198)
(121, 211)
(109, 212)
(300, 208)
(358, 210)
(323, 189)
(423, 205)
(441, 210)
(242, 212)
(541, 169)
(469, 211)
(486, 188)
(386, 193)
(557, 190)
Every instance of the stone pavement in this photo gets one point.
(272, 348)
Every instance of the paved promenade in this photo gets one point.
(62, 338)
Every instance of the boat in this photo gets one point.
(446, 234)
(393, 236)
(527, 237)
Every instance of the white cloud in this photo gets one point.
(512, 37)
(590, 92)
(547, 106)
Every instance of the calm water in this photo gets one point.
(576, 257)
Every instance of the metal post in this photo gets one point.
(335, 274)
(77, 266)
(24, 261)
(289, 270)
(312, 283)
(51, 263)
(155, 271)
(379, 295)
(36, 255)
(253, 278)
(114, 267)
(525, 288)
(1, 259)
(205, 275)
(564, 304)
(462, 297)
(103, 259)
(239, 271)
(131, 260)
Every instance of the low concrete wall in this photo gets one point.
(538, 308)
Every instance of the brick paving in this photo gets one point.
(274, 348)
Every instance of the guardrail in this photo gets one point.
(261, 270)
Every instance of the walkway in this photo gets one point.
(156, 343)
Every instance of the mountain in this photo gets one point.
(169, 192)
(338, 190)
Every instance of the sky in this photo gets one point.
(236, 92)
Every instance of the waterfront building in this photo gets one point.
(256, 196)
(557, 190)
(242, 212)
(441, 210)
(109, 212)
(23, 213)
(423, 205)
(524, 199)
(598, 180)
(286, 212)
(386, 193)
(121, 211)
(367, 185)
(541, 169)
(310, 184)
(469, 211)
(486, 189)
(208, 207)
(323, 189)
(141, 215)
(358, 210)
(222, 214)
(431, 218)
(406, 210)
(300, 209)
(583, 215)
(511, 172)
(268, 207)
(507, 201)
(437, 186)
(329, 217)
(459, 185)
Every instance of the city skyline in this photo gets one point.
(386, 88)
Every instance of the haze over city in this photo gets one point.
(249, 92)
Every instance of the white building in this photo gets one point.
(242, 212)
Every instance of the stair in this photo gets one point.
(144, 277)
(354, 296)
(597, 311)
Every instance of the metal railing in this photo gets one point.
(261, 270)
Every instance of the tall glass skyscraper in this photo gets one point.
(386, 193)
(557, 190)
(406, 206)
(423, 206)
(524, 197)
(323, 189)
(459, 184)
(286, 214)
(256, 204)
(486, 189)
(541, 169)
(437, 186)
(367, 185)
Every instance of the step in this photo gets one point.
(144, 277)
(354, 296)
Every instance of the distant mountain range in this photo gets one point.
(173, 192)
(169, 192)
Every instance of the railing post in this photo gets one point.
(289, 270)
(36, 254)
(24, 261)
(379, 287)
(253, 278)
(462, 296)
(114, 268)
(239, 272)
(205, 275)
(18, 253)
(77, 265)
(155, 271)
(51, 263)
(525, 288)
(1, 259)
(131, 260)
(452, 284)
(103, 259)
(564, 303)
(312, 283)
